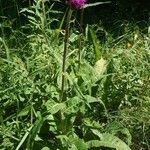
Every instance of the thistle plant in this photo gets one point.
(74, 4)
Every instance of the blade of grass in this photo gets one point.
(23, 138)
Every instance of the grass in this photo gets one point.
(106, 102)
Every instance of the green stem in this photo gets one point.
(65, 53)
(80, 39)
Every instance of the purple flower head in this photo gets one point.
(77, 4)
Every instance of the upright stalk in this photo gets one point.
(80, 39)
(65, 52)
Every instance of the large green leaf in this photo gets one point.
(109, 140)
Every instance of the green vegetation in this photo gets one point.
(106, 102)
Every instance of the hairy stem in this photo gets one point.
(80, 39)
(65, 53)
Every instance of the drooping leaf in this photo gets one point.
(96, 4)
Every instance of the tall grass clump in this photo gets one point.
(62, 88)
